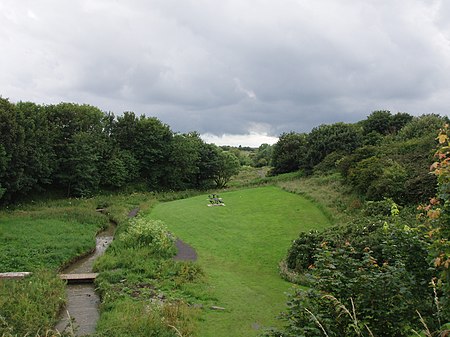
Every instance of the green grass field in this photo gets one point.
(32, 240)
(239, 247)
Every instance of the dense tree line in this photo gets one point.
(385, 155)
(79, 149)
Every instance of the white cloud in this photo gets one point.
(250, 140)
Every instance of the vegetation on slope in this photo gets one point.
(239, 247)
(144, 291)
(42, 237)
(380, 272)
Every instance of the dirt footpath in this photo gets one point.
(185, 252)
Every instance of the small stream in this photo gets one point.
(82, 300)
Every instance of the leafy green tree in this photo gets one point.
(124, 131)
(12, 141)
(422, 126)
(208, 165)
(81, 177)
(349, 162)
(114, 172)
(228, 166)
(373, 138)
(243, 154)
(325, 139)
(39, 163)
(184, 161)
(263, 155)
(377, 178)
(289, 153)
(132, 165)
(390, 184)
(383, 122)
(118, 169)
(329, 163)
(75, 125)
(148, 141)
(152, 150)
(415, 156)
(399, 120)
(378, 121)
(3, 166)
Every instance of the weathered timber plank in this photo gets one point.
(78, 278)
(14, 275)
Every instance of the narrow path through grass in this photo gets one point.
(239, 247)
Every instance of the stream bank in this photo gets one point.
(81, 312)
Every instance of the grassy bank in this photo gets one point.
(30, 305)
(31, 241)
(239, 248)
(327, 192)
(42, 237)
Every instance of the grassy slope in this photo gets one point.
(239, 247)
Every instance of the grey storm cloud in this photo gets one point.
(230, 67)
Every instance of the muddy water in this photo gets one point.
(82, 301)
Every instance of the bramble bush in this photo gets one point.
(378, 265)
(436, 219)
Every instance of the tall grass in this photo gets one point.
(30, 306)
(329, 193)
(146, 293)
(47, 235)
(128, 317)
(33, 241)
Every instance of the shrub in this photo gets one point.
(143, 232)
(390, 184)
(301, 254)
(328, 164)
(378, 265)
(425, 125)
(374, 208)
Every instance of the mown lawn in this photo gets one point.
(239, 247)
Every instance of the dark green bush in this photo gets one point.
(374, 208)
(379, 265)
(328, 164)
(301, 254)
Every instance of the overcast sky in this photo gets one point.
(246, 69)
